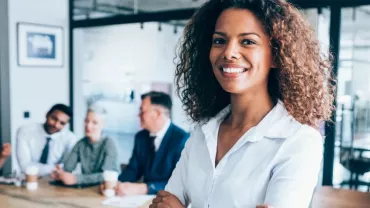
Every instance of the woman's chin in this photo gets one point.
(92, 138)
(234, 89)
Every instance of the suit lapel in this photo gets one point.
(147, 156)
(162, 148)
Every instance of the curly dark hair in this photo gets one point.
(302, 78)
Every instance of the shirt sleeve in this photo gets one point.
(71, 142)
(110, 160)
(73, 158)
(93, 178)
(154, 187)
(132, 172)
(24, 156)
(296, 173)
(177, 183)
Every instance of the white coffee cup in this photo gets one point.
(109, 193)
(110, 182)
(31, 177)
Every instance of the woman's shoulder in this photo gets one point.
(298, 136)
(196, 134)
(305, 140)
(82, 141)
(309, 130)
(196, 130)
(309, 133)
(291, 128)
(108, 142)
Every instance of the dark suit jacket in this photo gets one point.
(164, 163)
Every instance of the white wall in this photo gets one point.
(120, 57)
(36, 89)
(146, 53)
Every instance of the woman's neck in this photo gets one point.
(249, 109)
(94, 139)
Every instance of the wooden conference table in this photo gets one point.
(328, 197)
(60, 197)
(47, 196)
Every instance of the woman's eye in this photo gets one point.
(218, 41)
(247, 42)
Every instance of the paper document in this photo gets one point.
(128, 201)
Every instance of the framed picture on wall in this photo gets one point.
(40, 45)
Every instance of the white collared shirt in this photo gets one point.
(276, 162)
(31, 140)
(160, 134)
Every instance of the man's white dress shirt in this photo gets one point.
(160, 134)
(276, 162)
(31, 140)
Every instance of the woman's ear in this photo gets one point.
(273, 63)
(273, 60)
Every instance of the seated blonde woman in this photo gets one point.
(95, 153)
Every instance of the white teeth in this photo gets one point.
(233, 70)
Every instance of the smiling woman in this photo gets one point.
(252, 77)
(297, 62)
(240, 54)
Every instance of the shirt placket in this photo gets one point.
(218, 170)
(91, 154)
(216, 174)
(212, 148)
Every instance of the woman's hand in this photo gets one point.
(66, 177)
(165, 199)
(101, 188)
(55, 175)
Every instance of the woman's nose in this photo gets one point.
(231, 51)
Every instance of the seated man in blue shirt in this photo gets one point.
(157, 148)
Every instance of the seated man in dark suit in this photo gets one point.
(157, 148)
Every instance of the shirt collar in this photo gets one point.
(52, 136)
(163, 131)
(276, 124)
(95, 145)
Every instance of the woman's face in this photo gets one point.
(94, 125)
(240, 54)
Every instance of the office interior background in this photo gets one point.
(112, 51)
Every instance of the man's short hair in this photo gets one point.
(159, 98)
(61, 107)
